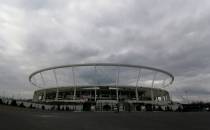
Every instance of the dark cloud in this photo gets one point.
(171, 35)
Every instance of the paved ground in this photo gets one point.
(12, 118)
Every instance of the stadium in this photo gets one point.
(102, 87)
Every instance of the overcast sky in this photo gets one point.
(173, 35)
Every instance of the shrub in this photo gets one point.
(43, 107)
(1, 101)
(31, 106)
(13, 103)
(22, 105)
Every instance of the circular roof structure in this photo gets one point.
(101, 74)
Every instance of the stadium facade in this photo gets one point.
(102, 87)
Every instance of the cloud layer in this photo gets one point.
(172, 35)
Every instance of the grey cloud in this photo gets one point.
(171, 35)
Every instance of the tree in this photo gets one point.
(14, 103)
(1, 101)
(22, 105)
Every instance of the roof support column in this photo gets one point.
(95, 95)
(43, 81)
(74, 80)
(56, 81)
(117, 82)
(44, 84)
(152, 94)
(95, 84)
(57, 94)
(44, 97)
(138, 78)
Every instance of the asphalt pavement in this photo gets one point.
(13, 118)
